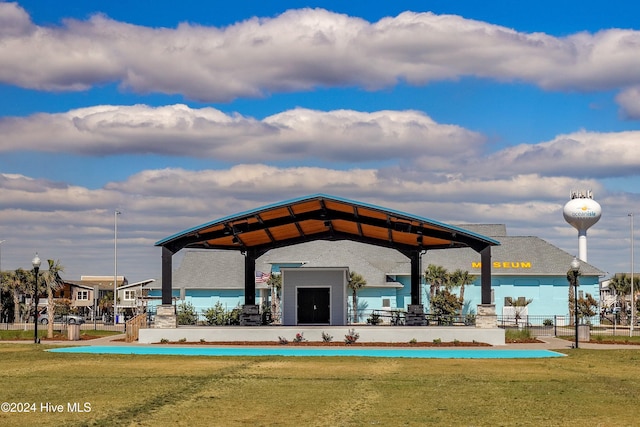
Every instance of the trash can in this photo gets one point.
(584, 333)
(73, 332)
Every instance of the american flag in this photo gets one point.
(262, 277)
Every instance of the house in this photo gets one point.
(89, 291)
(522, 267)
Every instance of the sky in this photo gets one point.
(179, 113)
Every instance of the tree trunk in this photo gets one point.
(16, 307)
(50, 312)
(354, 303)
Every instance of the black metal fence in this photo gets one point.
(563, 325)
(61, 326)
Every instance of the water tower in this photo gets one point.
(582, 212)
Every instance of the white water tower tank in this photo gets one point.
(582, 212)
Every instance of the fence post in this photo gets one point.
(555, 325)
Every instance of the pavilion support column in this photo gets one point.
(166, 312)
(415, 312)
(486, 312)
(250, 315)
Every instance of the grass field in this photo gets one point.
(590, 387)
(28, 335)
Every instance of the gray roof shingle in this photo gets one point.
(205, 269)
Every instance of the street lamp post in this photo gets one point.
(633, 297)
(36, 267)
(115, 266)
(575, 272)
(1, 242)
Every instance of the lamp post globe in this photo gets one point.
(35, 262)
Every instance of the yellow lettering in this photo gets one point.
(504, 264)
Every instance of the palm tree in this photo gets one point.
(356, 282)
(52, 282)
(460, 278)
(621, 284)
(106, 303)
(18, 284)
(4, 288)
(436, 276)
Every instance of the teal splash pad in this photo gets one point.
(414, 353)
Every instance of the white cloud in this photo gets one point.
(76, 224)
(629, 101)
(410, 145)
(177, 130)
(304, 49)
(579, 154)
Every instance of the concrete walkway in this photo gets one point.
(553, 343)
(547, 343)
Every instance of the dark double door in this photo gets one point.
(314, 306)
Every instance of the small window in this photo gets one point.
(83, 295)
(129, 295)
(386, 302)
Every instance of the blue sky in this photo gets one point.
(180, 113)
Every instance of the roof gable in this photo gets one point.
(323, 217)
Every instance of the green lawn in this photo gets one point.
(590, 387)
(20, 334)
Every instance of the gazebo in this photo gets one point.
(323, 217)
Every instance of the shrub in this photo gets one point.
(413, 341)
(374, 319)
(216, 315)
(351, 337)
(182, 340)
(283, 340)
(299, 337)
(437, 341)
(326, 337)
(234, 316)
(187, 314)
(163, 340)
(547, 322)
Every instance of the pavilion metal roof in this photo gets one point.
(324, 217)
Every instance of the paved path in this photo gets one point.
(548, 343)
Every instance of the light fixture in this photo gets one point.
(115, 266)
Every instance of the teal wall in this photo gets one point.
(549, 294)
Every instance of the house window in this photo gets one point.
(83, 295)
(129, 295)
(386, 302)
